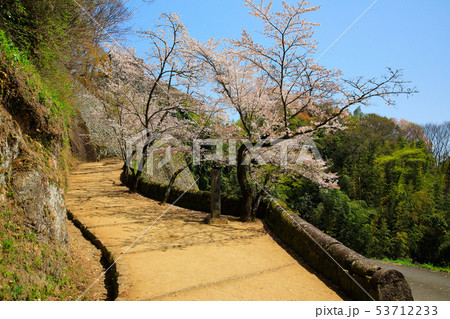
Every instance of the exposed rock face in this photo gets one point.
(9, 150)
(99, 129)
(80, 140)
(43, 203)
(31, 182)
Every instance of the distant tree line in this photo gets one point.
(393, 198)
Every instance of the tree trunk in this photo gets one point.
(136, 175)
(259, 196)
(171, 182)
(125, 175)
(247, 193)
(142, 163)
(215, 194)
(127, 167)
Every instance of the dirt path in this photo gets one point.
(179, 257)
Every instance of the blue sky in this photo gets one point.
(413, 35)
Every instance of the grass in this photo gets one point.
(46, 95)
(417, 265)
(29, 269)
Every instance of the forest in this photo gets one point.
(379, 185)
(393, 197)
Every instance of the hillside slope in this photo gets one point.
(35, 257)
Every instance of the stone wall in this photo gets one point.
(191, 199)
(354, 273)
(328, 256)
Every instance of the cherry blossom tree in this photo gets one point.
(411, 131)
(160, 95)
(279, 93)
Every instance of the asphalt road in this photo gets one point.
(426, 285)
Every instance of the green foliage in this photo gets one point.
(39, 27)
(50, 93)
(30, 270)
(58, 35)
(357, 229)
(393, 199)
(332, 211)
(202, 173)
(35, 84)
(6, 213)
(301, 193)
(7, 246)
(349, 221)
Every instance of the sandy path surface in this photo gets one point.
(175, 256)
